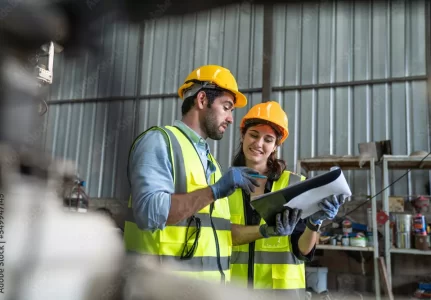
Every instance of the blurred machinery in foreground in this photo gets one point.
(46, 253)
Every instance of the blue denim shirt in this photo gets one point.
(151, 176)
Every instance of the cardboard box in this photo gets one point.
(396, 204)
(375, 149)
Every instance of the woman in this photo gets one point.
(267, 258)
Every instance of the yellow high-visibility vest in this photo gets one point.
(275, 267)
(211, 259)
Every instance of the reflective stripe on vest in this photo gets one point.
(166, 245)
(275, 265)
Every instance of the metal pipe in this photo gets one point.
(267, 52)
(428, 70)
(255, 90)
(350, 83)
(138, 82)
(375, 229)
(385, 202)
(128, 98)
(89, 100)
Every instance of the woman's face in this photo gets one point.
(258, 143)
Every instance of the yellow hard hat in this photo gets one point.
(212, 76)
(269, 112)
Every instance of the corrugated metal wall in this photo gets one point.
(380, 46)
(99, 104)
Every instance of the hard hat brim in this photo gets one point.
(283, 131)
(241, 100)
(270, 112)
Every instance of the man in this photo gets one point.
(179, 211)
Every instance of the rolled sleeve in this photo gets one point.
(294, 239)
(151, 181)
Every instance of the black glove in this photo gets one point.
(285, 223)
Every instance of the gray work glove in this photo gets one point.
(285, 223)
(329, 209)
(235, 177)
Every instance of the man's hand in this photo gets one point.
(285, 223)
(329, 209)
(235, 177)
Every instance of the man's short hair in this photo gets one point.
(211, 94)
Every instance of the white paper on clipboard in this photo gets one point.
(309, 200)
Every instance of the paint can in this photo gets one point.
(345, 240)
(403, 240)
(347, 226)
(392, 233)
(334, 241)
(419, 225)
(370, 239)
(403, 222)
(421, 242)
(358, 241)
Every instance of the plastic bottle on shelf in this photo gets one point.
(78, 200)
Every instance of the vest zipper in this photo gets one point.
(248, 221)
(217, 245)
(251, 265)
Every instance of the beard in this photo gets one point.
(211, 126)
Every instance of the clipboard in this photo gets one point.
(304, 195)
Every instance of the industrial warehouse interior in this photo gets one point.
(94, 206)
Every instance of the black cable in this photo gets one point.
(391, 184)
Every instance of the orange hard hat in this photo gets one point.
(269, 112)
(212, 76)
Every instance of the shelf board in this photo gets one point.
(345, 248)
(325, 163)
(411, 251)
(404, 162)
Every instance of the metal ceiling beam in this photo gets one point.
(267, 51)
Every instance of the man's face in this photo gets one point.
(218, 117)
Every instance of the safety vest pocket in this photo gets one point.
(235, 219)
(286, 276)
(173, 234)
(197, 182)
(221, 209)
(197, 179)
(276, 243)
(172, 239)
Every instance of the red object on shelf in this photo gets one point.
(382, 217)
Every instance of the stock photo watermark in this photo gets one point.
(2, 244)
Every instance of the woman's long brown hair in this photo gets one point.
(275, 166)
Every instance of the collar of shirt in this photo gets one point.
(201, 146)
(191, 134)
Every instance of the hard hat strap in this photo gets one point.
(199, 85)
